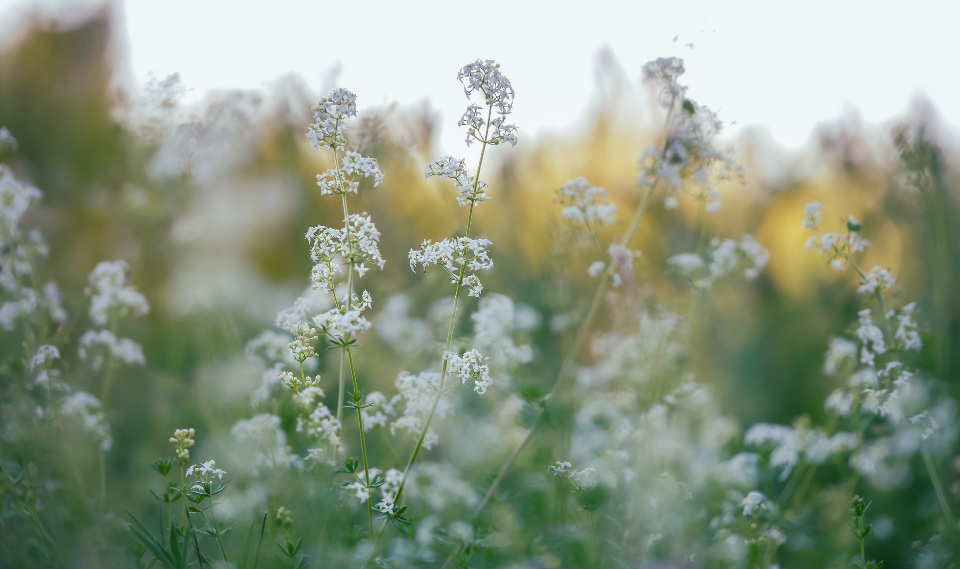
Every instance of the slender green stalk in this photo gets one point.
(584, 325)
(183, 496)
(927, 459)
(216, 531)
(453, 321)
(346, 347)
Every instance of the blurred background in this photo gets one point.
(171, 135)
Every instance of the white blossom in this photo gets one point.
(122, 349)
(470, 366)
(329, 116)
(111, 294)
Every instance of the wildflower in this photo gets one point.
(329, 116)
(44, 354)
(812, 215)
(485, 76)
(470, 366)
(906, 328)
(871, 337)
(16, 197)
(301, 347)
(88, 409)
(182, 440)
(360, 492)
(346, 319)
(7, 141)
(621, 258)
(451, 255)
(586, 203)
(586, 478)
(560, 469)
(283, 517)
(385, 506)
(839, 352)
(752, 503)
(110, 293)
(469, 189)
(121, 349)
(877, 278)
(664, 72)
(267, 440)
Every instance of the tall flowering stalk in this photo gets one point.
(664, 72)
(459, 255)
(355, 245)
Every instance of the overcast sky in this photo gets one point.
(787, 65)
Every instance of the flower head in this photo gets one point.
(329, 116)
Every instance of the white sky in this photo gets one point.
(785, 64)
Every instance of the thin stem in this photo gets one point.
(453, 321)
(941, 497)
(216, 531)
(586, 323)
(363, 442)
(183, 496)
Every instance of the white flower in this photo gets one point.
(109, 292)
(596, 268)
(358, 491)
(560, 469)
(469, 189)
(839, 402)
(267, 440)
(44, 354)
(665, 71)
(840, 351)
(87, 408)
(357, 242)
(484, 76)
(812, 215)
(877, 278)
(329, 116)
(470, 366)
(7, 141)
(122, 349)
(752, 502)
(451, 255)
(586, 478)
(586, 203)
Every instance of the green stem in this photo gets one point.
(183, 496)
(363, 443)
(216, 531)
(584, 325)
(453, 321)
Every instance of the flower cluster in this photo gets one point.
(182, 440)
(455, 256)
(89, 410)
(346, 180)
(586, 203)
(329, 116)
(122, 349)
(357, 243)
(838, 247)
(497, 93)
(110, 294)
(346, 319)
(723, 257)
(470, 190)
(665, 73)
(470, 366)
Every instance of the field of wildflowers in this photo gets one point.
(267, 331)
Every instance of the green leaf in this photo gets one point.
(156, 547)
(688, 107)
(302, 564)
